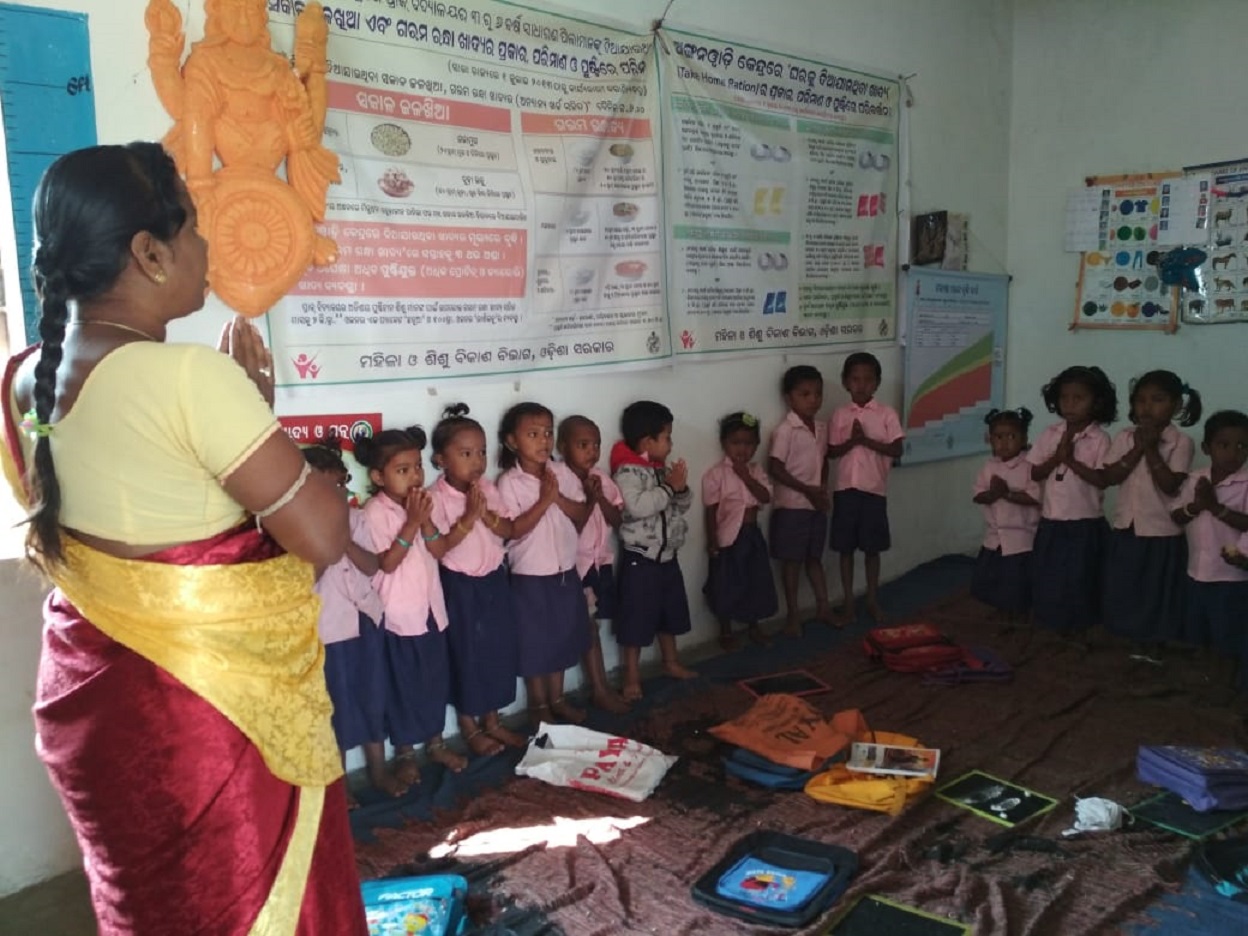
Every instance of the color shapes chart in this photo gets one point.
(1119, 286)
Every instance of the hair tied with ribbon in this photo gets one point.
(749, 420)
(35, 428)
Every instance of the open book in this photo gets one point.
(892, 759)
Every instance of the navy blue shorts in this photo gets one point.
(355, 675)
(418, 685)
(550, 620)
(795, 535)
(652, 601)
(1003, 582)
(1066, 568)
(739, 583)
(601, 581)
(484, 647)
(859, 522)
(1144, 586)
(1215, 616)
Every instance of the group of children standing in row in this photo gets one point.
(1169, 566)
(449, 591)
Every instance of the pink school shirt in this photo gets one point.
(1207, 535)
(731, 498)
(594, 547)
(860, 468)
(346, 592)
(413, 590)
(1007, 526)
(481, 551)
(551, 546)
(1140, 504)
(803, 452)
(1070, 497)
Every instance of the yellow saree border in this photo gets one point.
(280, 914)
(242, 637)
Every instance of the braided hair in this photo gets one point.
(89, 206)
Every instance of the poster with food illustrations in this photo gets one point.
(1222, 279)
(498, 209)
(781, 179)
(1119, 284)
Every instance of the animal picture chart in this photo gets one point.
(1119, 286)
(1223, 277)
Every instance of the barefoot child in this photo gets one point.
(1213, 510)
(547, 592)
(656, 499)
(580, 447)
(797, 463)
(865, 437)
(418, 672)
(355, 646)
(1011, 504)
(739, 585)
(467, 526)
(1146, 553)
(1068, 554)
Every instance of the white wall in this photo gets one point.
(1104, 88)
(960, 50)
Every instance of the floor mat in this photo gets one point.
(1068, 725)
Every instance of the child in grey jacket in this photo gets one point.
(651, 588)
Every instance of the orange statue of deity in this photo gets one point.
(238, 101)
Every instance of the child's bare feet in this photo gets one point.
(793, 624)
(678, 670)
(537, 714)
(631, 692)
(439, 753)
(875, 612)
(507, 736)
(758, 636)
(481, 743)
(844, 614)
(565, 711)
(610, 701)
(828, 616)
(406, 770)
(729, 642)
(383, 781)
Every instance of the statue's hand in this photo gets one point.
(164, 28)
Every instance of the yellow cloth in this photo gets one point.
(243, 637)
(142, 451)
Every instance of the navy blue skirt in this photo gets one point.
(1216, 613)
(1145, 582)
(355, 674)
(483, 638)
(551, 619)
(739, 585)
(1066, 573)
(418, 685)
(1003, 582)
(601, 581)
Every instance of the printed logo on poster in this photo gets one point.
(311, 430)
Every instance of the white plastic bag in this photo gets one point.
(572, 756)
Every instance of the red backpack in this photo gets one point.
(911, 648)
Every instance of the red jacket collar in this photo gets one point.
(621, 455)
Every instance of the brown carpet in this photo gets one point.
(1070, 723)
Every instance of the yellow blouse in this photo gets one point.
(156, 427)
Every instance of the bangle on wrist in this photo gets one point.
(1187, 509)
(429, 539)
(402, 542)
(463, 530)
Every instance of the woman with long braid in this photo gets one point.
(181, 708)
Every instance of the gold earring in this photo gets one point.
(160, 277)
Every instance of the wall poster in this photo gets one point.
(499, 204)
(1222, 295)
(781, 179)
(1119, 285)
(953, 360)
